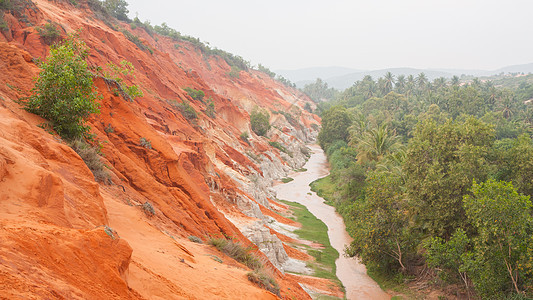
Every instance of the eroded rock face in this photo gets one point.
(199, 176)
(268, 243)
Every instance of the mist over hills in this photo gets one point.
(310, 74)
(342, 78)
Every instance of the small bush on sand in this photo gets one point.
(90, 156)
(264, 280)
(195, 239)
(237, 251)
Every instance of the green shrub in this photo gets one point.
(308, 107)
(260, 122)
(237, 251)
(64, 92)
(280, 147)
(245, 136)
(145, 143)
(287, 179)
(3, 24)
(109, 129)
(266, 70)
(6, 5)
(264, 280)
(49, 33)
(148, 209)
(137, 41)
(187, 110)
(195, 94)
(90, 156)
(235, 72)
(195, 239)
(115, 74)
(210, 109)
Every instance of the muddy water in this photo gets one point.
(351, 273)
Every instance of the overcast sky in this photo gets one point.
(370, 34)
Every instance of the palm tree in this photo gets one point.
(400, 84)
(506, 105)
(359, 125)
(422, 80)
(375, 143)
(410, 84)
(439, 83)
(369, 87)
(455, 80)
(389, 82)
(393, 163)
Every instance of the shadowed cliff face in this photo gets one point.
(65, 236)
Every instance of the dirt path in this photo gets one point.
(351, 273)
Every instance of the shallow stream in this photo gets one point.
(350, 272)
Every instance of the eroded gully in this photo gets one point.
(350, 272)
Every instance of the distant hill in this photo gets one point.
(311, 74)
(342, 78)
(526, 68)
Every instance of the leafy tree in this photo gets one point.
(117, 8)
(503, 220)
(319, 91)
(64, 92)
(380, 235)
(442, 160)
(516, 163)
(450, 256)
(335, 123)
(260, 122)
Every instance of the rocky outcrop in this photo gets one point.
(62, 234)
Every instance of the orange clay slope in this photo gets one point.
(63, 235)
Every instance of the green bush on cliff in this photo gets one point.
(195, 94)
(64, 92)
(49, 33)
(260, 122)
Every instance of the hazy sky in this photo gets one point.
(370, 34)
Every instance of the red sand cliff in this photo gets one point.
(65, 236)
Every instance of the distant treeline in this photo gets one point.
(434, 180)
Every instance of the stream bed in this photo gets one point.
(350, 272)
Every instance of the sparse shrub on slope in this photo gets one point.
(237, 251)
(195, 94)
(260, 122)
(64, 92)
(243, 255)
(49, 33)
(90, 156)
(264, 280)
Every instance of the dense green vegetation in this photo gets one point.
(435, 174)
(64, 92)
(65, 95)
(319, 91)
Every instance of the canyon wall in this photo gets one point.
(64, 235)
